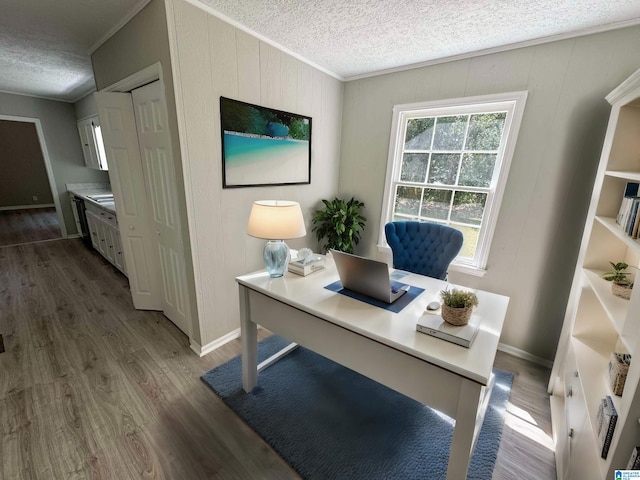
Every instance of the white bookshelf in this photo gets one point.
(596, 322)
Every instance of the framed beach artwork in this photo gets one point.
(263, 146)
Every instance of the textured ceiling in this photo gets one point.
(44, 44)
(355, 37)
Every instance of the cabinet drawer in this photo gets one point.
(101, 213)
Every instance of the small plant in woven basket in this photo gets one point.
(621, 284)
(457, 306)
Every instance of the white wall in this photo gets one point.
(542, 216)
(211, 59)
(86, 107)
(63, 142)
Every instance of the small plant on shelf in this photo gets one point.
(621, 285)
(339, 223)
(457, 306)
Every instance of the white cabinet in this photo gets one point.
(92, 145)
(598, 323)
(105, 235)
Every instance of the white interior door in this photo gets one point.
(127, 182)
(157, 163)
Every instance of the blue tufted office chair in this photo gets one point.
(422, 247)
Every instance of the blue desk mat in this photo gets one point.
(395, 307)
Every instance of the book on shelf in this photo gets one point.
(435, 326)
(625, 209)
(609, 420)
(304, 269)
(630, 192)
(634, 460)
(600, 417)
(631, 189)
(633, 213)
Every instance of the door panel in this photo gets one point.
(127, 182)
(158, 165)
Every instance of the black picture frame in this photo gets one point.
(263, 146)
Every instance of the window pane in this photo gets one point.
(477, 169)
(485, 131)
(414, 167)
(436, 203)
(408, 200)
(470, 243)
(450, 133)
(468, 207)
(444, 168)
(419, 133)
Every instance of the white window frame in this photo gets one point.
(513, 103)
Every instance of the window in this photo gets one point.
(102, 156)
(448, 163)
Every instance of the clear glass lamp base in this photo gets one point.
(276, 257)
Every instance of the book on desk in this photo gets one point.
(298, 267)
(435, 326)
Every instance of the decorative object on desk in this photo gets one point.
(308, 265)
(618, 370)
(305, 255)
(372, 432)
(338, 224)
(263, 146)
(621, 286)
(457, 306)
(276, 221)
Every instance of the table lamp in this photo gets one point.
(276, 221)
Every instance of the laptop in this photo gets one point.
(367, 277)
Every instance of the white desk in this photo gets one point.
(379, 344)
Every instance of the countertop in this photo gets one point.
(86, 190)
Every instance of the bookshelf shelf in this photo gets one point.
(627, 175)
(596, 322)
(615, 307)
(614, 228)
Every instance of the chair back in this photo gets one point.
(422, 247)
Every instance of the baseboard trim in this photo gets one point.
(202, 350)
(516, 352)
(25, 207)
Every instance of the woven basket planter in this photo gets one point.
(456, 316)
(622, 291)
(618, 371)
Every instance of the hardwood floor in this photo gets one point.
(28, 225)
(91, 388)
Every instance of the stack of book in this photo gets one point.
(634, 461)
(628, 216)
(296, 266)
(607, 418)
(435, 326)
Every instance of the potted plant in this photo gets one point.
(338, 224)
(621, 286)
(457, 306)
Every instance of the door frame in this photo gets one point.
(47, 165)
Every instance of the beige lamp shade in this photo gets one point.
(276, 220)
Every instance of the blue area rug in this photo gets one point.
(329, 422)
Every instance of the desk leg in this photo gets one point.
(249, 337)
(460, 454)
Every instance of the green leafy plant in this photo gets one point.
(618, 274)
(459, 298)
(339, 223)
